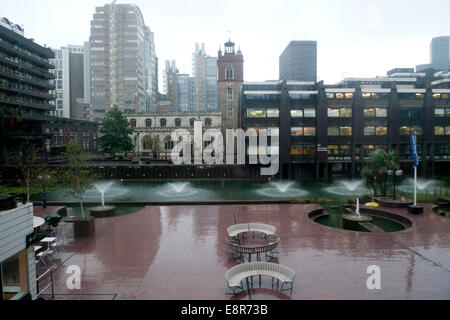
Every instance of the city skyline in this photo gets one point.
(357, 40)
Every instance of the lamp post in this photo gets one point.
(394, 174)
(45, 180)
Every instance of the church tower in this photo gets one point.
(230, 78)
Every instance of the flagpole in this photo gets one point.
(415, 186)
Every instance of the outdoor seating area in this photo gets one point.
(237, 274)
(245, 270)
(236, 230)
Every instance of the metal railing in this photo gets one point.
(45, 275)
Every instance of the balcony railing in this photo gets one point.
(25, 54)
(18, 76)
(28, 67)
(26, 103)
(28, 92)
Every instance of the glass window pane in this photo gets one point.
(309, 131)
(417, 130)
(439, 131)
(346, 112)
(309, 149)
(296, 149)
(333, 113)
(296, 113)
(405, 131)
(333, 149)
(339, 96)
(349, 95)
(345, 131)
(447, 130)
(273, 113)
(330, 95)
(381, 131)
(333, 131)
(256, 113)
(309, 113)
(369, 112)
(447, 112)
(439, 112)
(296, 131)
(381, 112)
(369, 131)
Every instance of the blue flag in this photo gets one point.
(414, 149)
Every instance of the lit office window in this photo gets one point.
(405, 131)
(439, 131)
(296, 113)
(297, 131)
(369, 131)
(439, 112)
(381, 112)
(309, 113)
(333, 150)
(417, 130)
(256, 113)
(296, 150)
(369, 112)
(333, 113)
(345, 131)
(273, 113)
(345, 112)
(309, 131)
(381, 131)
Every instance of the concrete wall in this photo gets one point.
(15, 225)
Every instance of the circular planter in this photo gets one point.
(415, 209)
(102, 212)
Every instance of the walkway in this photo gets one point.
(179, 253)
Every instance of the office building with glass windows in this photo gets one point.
(298, 62)
(123, 61)
(329, 130)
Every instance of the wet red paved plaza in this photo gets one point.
(179, 252)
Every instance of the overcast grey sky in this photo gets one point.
(355, 37)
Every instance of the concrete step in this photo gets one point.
(371, 227)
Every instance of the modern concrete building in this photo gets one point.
(439, 55)
(25, 98)
(69, 81)
(298, 62)
(230, 66)
(328, 131)
(204, 71)
(17, 256)
(26, 102)
(123, 61)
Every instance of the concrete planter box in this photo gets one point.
(82, 227)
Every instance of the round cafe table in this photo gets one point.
(38, 221)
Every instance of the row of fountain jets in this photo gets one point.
(271, 189)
